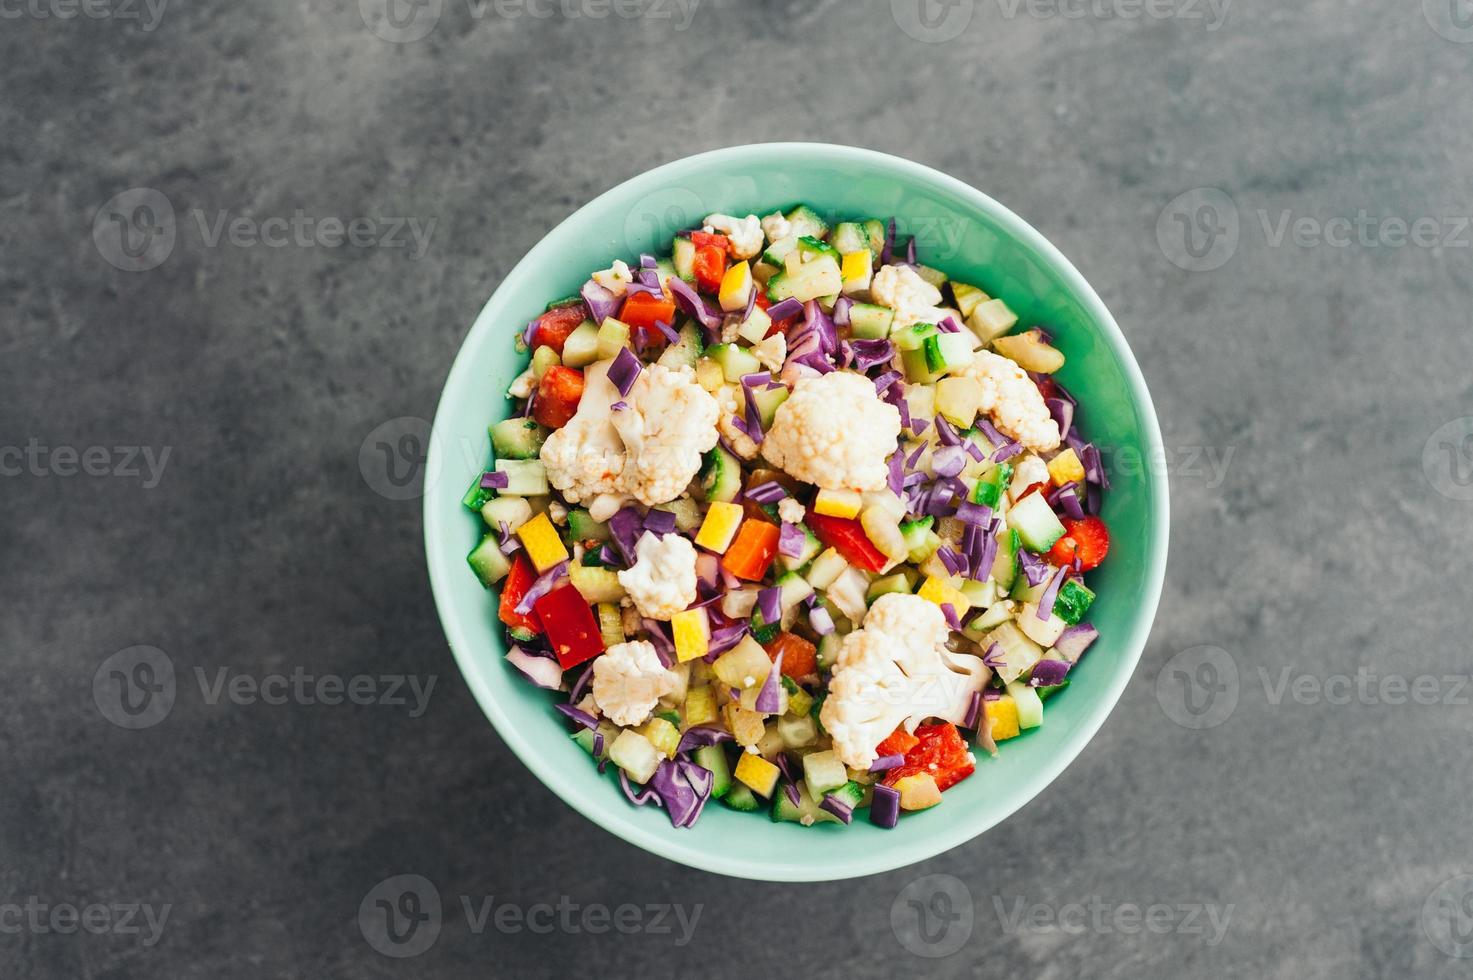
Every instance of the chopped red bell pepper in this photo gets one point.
(800, 658)
(572, 629)
(846, 536)
(709, 265)
(558, 395)
(941, 752)
(554, 326)
(518, 581)
(898, 742)
(642, 311)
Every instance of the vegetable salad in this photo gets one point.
(790, 521)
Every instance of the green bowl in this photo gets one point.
(959, 230)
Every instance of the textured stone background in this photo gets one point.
(1319, 524)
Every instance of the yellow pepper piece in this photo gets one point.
(1002, 718)
(838, 503)
(719, 527)
(854, 265)
(757, 774)
(942, 592)
(544, 547)
(736, 287)
(662, 735)
(1066, 468)
(700, 705)
(692, 634)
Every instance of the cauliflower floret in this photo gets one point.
(745, 234)
(896, 670)
(835, 432)
(524, 384)
(1014, 401)
(662, 580)
(741, 443)
(772, 352)
(616, 278)
(628, 681)
(790, 510)
(776, 227)
(649, 450)
(1028, 471)
(913, 299)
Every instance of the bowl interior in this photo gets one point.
(958, 230)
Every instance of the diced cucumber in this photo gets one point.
(979, 594)
(946, 352)
(476, 495)
(822, 772)
(935, 277)
(849, 236)
(767, 400)
(506, 509)
(875, 229)
(851, 793)
(820, 277)
(1016, 652)
(917, 369)
(685, 353)
(542, 359)
(811, 248)
(811, 548)
(684, 259)
(634, 753)
(721, 476)
(968, 298)
(581, 347)
(1037, 525)
(664, 270)
(517, 439)
(828, 650)
(487, 561)
(1073, 601)
(991, 319)
(1030, 706)
(687, 513)
(991, 484)
(797, 731)
(1005, 565)
(582, 526)
(741, 798)
(613, 336)
(754, 328)
(795, 589)
(1044, 693)
(764, 632)
(995, 616)
(805, 221)
(595, 584)
(525, 477)
(825, 569)
(713, 757)
(897, 584)
(870, 322)
(914, 336)
(735, 361)
(565, 301)
(805, 812)
(777, 253)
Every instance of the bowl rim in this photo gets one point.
(661, 840)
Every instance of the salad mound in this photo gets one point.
(790, 520)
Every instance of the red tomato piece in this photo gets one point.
(847, 537)
(518, 581)
(642, 311)
(898, 742)
(558, 395)
(554, 326)
(709, 266)
(706, 239)
(1087, 539)
(800, 658)
(572, 630)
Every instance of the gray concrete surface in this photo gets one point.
(1259, 805)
